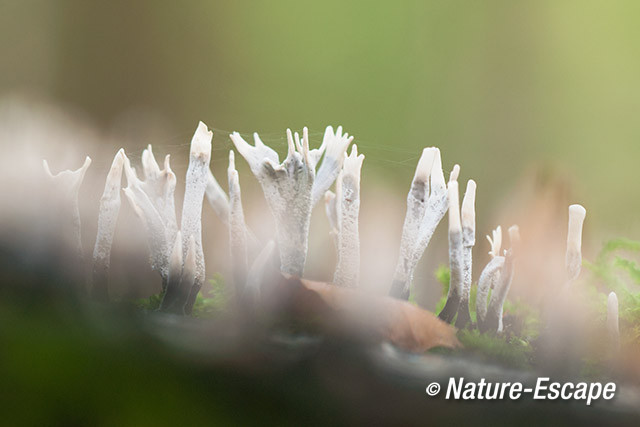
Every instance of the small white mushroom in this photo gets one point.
(237, 228)
(427, 203)
(468, 220)
(495, 242)
(348, 269)
(287, 187)
(155, 227)
(195, 185)
(493, 320)
(107, 219)
(577, 214)
(612, 321)
(456, 252)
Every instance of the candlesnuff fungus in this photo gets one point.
(426, 205)
(497, 275)
(107, 218)
(334, 146)
(65, 186)
(493, 321)
(612, 321)
(468, 219)
(237, 229)
(160, 186)
(347, 211)
(577, 214)
(456, 252)
(287, 188)
(195, 185)
(490, 275)
(155, 228)
(174, 297)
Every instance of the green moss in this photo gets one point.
(512, 351)
(615, 270)
(214, 300)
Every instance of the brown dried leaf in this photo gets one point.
(347, 310)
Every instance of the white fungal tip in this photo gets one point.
(454, 173)
(577, 214)
(201, 142)
(454, 207)
(468, 206)
(423, 170)
(305, 146)
(115, 173)
(495, 242)
(290, 144)
(437, 175)
(353, 163)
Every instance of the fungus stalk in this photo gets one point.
(456, 252)
(155, 227)
(107, 218)
(348, 207)
(427, 202)
(174, 297)
(287, 187)
(332, 215)
(577, 214)
(182, 277)
(237, 229)
(489, 276)
(195, 186)
(612, 322)
(468, 220)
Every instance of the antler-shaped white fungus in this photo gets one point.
(456, 251)
(348, 207)
(468, 219)
(334, 146)
(427, 202)
(107, 218)
(155, 227)
(287, 187)
(237, 228)
(195, 185)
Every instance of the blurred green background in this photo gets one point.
(498, 85)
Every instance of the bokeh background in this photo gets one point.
(539, 98)
(538, 101)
